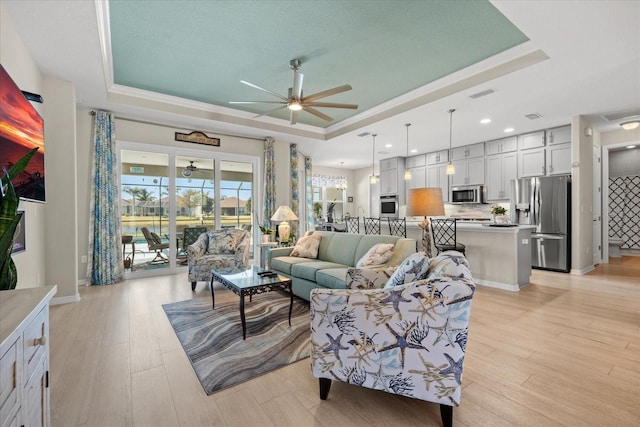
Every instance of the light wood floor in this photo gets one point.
(563, 351)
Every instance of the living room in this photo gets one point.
(57, 237)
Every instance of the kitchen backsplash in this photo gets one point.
(474, 211)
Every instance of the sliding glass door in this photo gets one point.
(168, 198)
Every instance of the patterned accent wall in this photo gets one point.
(624, 210)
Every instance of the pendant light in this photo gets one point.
(343, 180)
(373, 179)
(450, 169)
(407, 172)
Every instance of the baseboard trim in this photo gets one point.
(498, 285)
(65, 300)
(582, 271)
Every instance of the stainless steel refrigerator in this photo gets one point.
(545, 202)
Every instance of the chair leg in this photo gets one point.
(193, 286)
(325, 386)
(446, 413)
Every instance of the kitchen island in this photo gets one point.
(499, 257)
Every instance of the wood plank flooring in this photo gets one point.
(563, 351)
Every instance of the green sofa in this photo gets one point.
(337, 253)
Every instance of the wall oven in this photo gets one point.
(468, 194)
(389, 206)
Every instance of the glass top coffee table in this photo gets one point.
(249, 282)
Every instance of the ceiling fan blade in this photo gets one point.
(263, 89)
(257, 102)
(294, 117)
(326, 93)
(297, 84)
(318, 114)
(330, 105)
(273, 110)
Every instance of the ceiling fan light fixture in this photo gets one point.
(631, 125)
(294, 106)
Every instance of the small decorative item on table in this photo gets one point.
(499, 214)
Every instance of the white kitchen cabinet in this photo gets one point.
(24, 357)
(501, 169)
(504, 145)
(559, 135)
(389, 181)
(531, 163)
(468, 151)
(437, 157)
(418, 178)
(415, 161)
(468, 172)
(388, 164)
(392, 178)
(559, 159)
(531, 140)
(437, 177)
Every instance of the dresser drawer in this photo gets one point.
(10, 381)
(35, 342)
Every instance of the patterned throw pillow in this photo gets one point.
(414, 267)
(378, 254)
(307, 246)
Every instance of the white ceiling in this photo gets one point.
(582, 58)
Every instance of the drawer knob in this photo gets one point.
(40, 341)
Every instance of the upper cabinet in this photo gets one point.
(559, 159)
(504, 145)
(468, 151)
(437, 157)
(392, 177)
(468, 172)
(387, 164)
(559, 135)
(531, 140)
(416, 161)
(531, 163)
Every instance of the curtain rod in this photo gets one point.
(146, 122)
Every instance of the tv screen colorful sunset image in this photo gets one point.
(21, 129)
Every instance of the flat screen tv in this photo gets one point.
(21, 129)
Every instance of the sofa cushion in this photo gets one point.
(307, 246)
(284, 263)
(414, 267)
(378, 254)
(309, 269)
(366, 242)
(333, 278)
(341, 249)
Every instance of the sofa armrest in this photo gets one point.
(199, 247)
(368, 278)
(276, 252)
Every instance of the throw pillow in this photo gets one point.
(307, 246)
(378, 254)
(414, 267)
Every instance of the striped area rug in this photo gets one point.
(213, 340)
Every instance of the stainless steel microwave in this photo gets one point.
(468, 194)
(389, 206)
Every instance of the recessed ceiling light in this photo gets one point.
(630, 125)
(507, 130)
(388, 145)
(631, 146)
(485, 121)
(414, 151)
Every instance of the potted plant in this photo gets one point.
(498, 211)
(266, 231)
(9, 220)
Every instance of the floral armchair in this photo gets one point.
(226, 249)
(408, 339)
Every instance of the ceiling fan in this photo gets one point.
(296, 101)
(188, 171)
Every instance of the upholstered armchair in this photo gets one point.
(226, 249)
(408, 339)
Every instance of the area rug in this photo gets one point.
(212, 339)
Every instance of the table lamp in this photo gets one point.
(425, 202)
(283, 215)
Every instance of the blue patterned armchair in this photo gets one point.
(226, 249)
(408, 339)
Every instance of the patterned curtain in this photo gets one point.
(295, 188)
(308, 192)
(105, 265)
(269, 181)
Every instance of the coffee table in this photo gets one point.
(248, 282)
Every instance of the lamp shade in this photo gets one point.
(425, 202)
(284, 213)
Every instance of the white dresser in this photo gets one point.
(24, 356)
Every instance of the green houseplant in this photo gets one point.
(9, 220)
